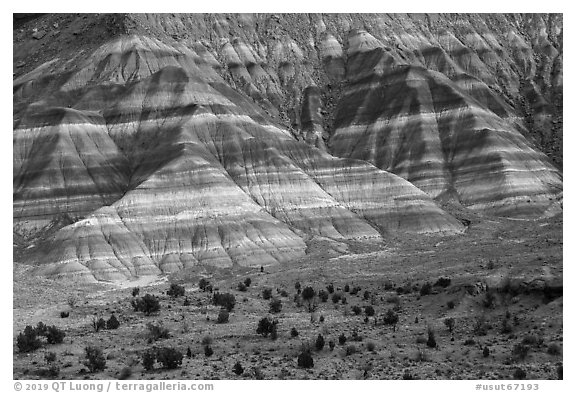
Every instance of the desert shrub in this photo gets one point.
(208, 351)
(407, 375)
(490, 265)
(242, 287)
(135, 291)
(486, 352)
(323, 295)
(357, 310)
(367, 295)
(146, 304)
(54, 335)
(336, 297)
(451, 304)
(53, 371)
(49, 357)
(223, 316)
(449, 323)
(321, 319)
(238, 369)
(519, 373)
(203, 283)
(532, 340)
(506, 327)
(560, 372)
(388, 285)
(294, 332)
(391, 318)
(64, 314)
(206, 340)
(346, 288)
(98, 324)
(469, 342)
(319, 342)
(266, 293)
(169, 358)
(125, 373)
(156, 332)
(331, 344)
(344, 300)
(369, 311)
(355, 290)
(351, 350)
(297, 285)
(275, 306)
(431, 342)
(95, 360)
(112, 323)
(308, 294)
(226, 300)
(176, 290)
(28, 341)
(443, 282)
(371, 346)
(267, 326)
(553, 349)
(520, 351)
(261, 269)
(489, 299)
(148, 359)
(41, 329)
(342, 339)
(188, 353)
(421, 340)
(426, 289)
(480, 326)
(283, 293)
(305, 360)
(186, 302)
(248, 281)
(330, 288)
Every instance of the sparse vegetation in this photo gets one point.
(266, 293)
(147, 304)
(275, 306)
(223, 316)
(319, 342)
(294, 332)
(431, 342)
(169, 358)
(267, 326)
(426, 289)
(98, 324)
(157, 331)
(176, 290)
(305, 360)
(226, 300)
(369, 311)
(95, 360)
(449, 323)
(238, 369)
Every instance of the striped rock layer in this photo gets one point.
(162, 166)
(170, 140)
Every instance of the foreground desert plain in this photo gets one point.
(519, 262)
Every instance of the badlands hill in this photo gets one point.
(147, 144)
